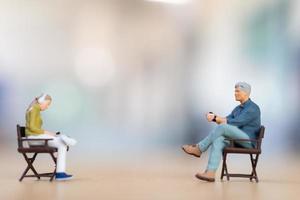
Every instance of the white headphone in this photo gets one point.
(41, 99)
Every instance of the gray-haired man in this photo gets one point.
(242, 123)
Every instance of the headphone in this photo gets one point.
(41, 99)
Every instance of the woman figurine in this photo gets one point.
(34, 131)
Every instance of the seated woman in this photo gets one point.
(34, 130)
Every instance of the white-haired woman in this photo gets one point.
(34, 130)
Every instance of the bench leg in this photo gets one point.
(224, 168)
(254, 164)
(54, 159)
(29, 166)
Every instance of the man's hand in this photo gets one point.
(210, 116)
(221, 120)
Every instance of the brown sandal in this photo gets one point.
(191, 153)
(203, 178)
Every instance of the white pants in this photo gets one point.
(56, 142)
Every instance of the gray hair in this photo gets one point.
(244, 87)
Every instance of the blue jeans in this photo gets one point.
(216, 139)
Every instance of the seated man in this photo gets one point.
(242, 123)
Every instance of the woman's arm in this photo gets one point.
(49, 133)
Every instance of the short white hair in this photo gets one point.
(246, 87)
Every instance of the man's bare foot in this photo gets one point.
(206, 176)
(192, 150)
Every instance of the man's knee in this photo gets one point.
(219, 141)
(223, 127)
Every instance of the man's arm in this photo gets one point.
(221, 120)
(211, 117)
(244, 118)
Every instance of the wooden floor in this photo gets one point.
(155, 178)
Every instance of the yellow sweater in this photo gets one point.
(34, 121)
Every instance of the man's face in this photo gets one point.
(240, 95)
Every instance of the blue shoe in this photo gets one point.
(62, 176)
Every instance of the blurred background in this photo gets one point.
(136, 77)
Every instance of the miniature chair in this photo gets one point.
(236, 149)
(35, 150)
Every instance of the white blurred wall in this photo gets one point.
(141, 74)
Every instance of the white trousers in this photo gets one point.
(56, 142)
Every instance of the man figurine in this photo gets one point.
(243, 123)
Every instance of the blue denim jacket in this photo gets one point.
(246, 117)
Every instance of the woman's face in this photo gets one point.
(44, 105)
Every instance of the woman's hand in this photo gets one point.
(49, 133)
